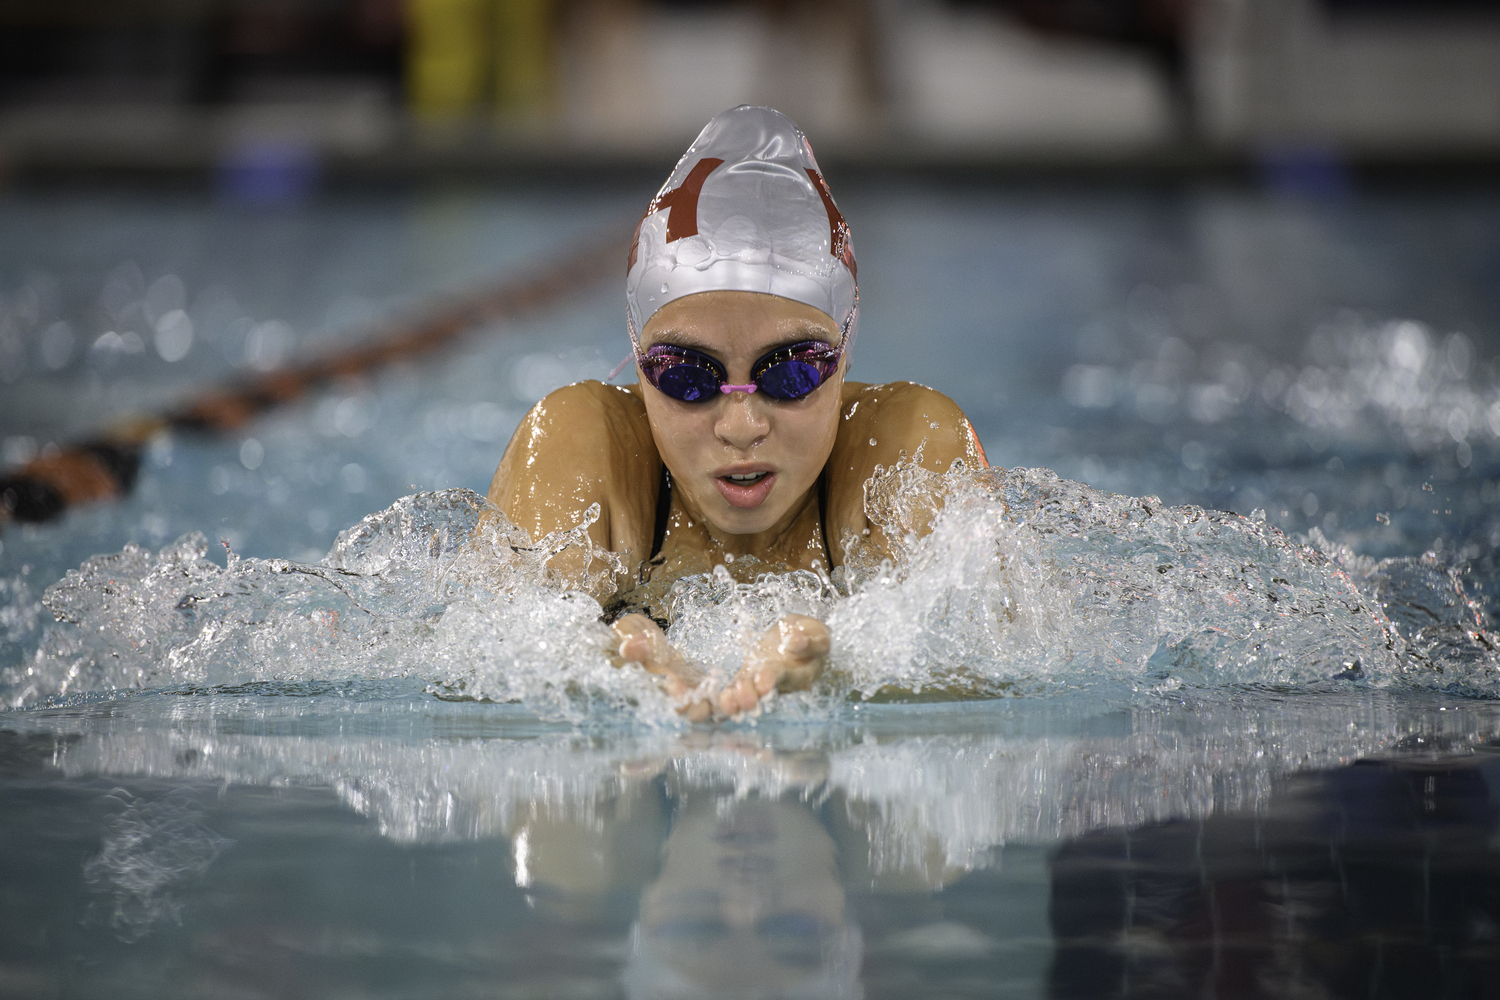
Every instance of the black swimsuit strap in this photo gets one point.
(823, 517)
(664, 511)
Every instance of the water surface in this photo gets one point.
(1075, 746)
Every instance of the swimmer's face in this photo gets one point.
(785, 443)
(746, 895)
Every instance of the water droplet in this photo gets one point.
(252, 452)
(872, 442)
(664, 288)
(1383, 518)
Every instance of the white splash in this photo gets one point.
(1025, 584)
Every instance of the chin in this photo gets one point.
(735, 521)
(747, 521)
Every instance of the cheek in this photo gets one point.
(679, 431)
(808, 435)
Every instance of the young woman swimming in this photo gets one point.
(742, 444)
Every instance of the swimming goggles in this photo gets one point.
(789, 372)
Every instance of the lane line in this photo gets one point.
(105, 465)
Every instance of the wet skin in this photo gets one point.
(593, 443)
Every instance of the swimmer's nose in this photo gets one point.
(741, 422)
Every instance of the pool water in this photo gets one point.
(1087, 739)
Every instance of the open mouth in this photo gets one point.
(746, 490)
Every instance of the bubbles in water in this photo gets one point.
(252, 453)
(1431, 391)
(1026, 584)
(174, 335)
(267, 344)
(151, 851)
(353, 416)
(111, 343)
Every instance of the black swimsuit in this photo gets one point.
(620, 607)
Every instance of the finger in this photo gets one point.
(671, 685)
(739, 696)
(804, 636)
(794, 642)
(817, 640)
(634, 649)
(767, 677)
(648, 646)
(757, 677)
(634, 623)
(635, 635)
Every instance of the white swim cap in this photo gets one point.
(746, 210)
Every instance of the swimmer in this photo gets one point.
(741, 444)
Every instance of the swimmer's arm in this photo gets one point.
(878, 425)
(583, 444)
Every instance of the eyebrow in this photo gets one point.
(801, 335)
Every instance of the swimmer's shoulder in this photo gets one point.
(878, 424)
(584, 443)
(594, 396)
(590, 417)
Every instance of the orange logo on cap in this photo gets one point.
(682, 220)
(839, 243)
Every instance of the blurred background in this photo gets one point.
(414, 85)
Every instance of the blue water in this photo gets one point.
(1197, 821)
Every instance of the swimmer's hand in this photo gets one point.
(642, 641)
(789, 657)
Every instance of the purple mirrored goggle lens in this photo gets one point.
(786, 373)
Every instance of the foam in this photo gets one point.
(1027, 584)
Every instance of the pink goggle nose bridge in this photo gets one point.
(738, 388)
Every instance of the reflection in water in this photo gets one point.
(1227, 844)
(1379, 879)
(947, 782)
(748, 902)
(149, 851)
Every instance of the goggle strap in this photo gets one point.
(617, 369)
